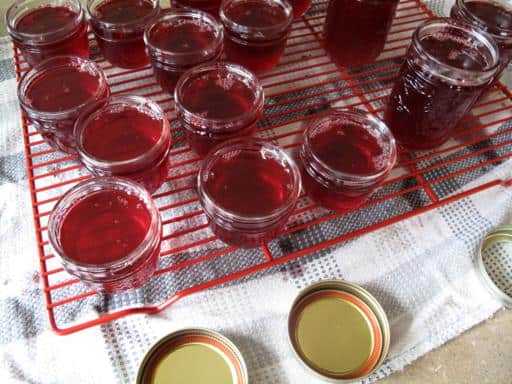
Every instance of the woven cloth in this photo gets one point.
(421, 270)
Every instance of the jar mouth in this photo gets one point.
(160, 148)
(172, 57)
(52, 64)
(139, 23)
(86, 188)
(258, 33)
(267, 150)
(246, 77)
(450, 73)
(15, 13)
(371, 124)
(495, 31)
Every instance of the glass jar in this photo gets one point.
(181, 40)
(119, 29)
(355, 31)
(217, 102)
(300, 7)
(255, 31)
(210, 6)
(345, 155)
(126, 136)
(55, 92)
(495, 18)
(107, 232)
(248, 188)
(42, 29)
(448, 65)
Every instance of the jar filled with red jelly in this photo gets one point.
(248, 189)
(345, 155)
(179, 41)
(119, 29)
(355, 31)
(216, 102)
(42, 29)
(494, 17)
(126, 136)
(300, 7)
(255, 31)
(55, 92)
(448, 65)
(107, 232)
(210, 6)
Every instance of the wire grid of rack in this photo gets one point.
(305, 82)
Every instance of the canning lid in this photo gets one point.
(494, 263)
(338, 330)
(198, 356)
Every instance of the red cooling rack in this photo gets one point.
(306, 82)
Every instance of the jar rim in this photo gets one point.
(357, 116)
(159, 149)
(210, 51)
(40, 38)
(134, 24)
(495, 31)
(240, 72)
(248, 144)
(52, 64)
(86, 188)
(243, 29)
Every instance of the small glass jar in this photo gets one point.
(55, 92)
(217, 102)
(255, 31)
(300, 7)
(345, 155)
(248, 189)
(126, 136)
(107, 232)
(448, 65)
(495, 18)
(42, 29)
(355, 31)
(119, 29)
(210, 6)
(181, 40)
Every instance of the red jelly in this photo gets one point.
(494, 17)
(447, 67)
(346, 154)
(355, 31)
(45, 28)
(179, 41)
(126, 136)
(119, 29)
(300, 7)
(210, 6)
(217, 102)
(107, 233)
(256, 31)
(54, 93)
(248, 188)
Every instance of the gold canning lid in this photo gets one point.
(494, 263)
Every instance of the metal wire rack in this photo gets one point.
(305, 82)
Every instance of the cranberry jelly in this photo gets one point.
(346, 154)
(447, 67)
(107, 233)
(248, 189)
(210, 6)
(119, 29)
(44, 28)
(54, 93)
(300, 7)
(355, 31)
(494, 17)
(217, 102)
(181, 40)
(256, 31)
(126, 136)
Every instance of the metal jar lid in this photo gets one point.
(494, 263)
(339, 331)
(198, 356)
